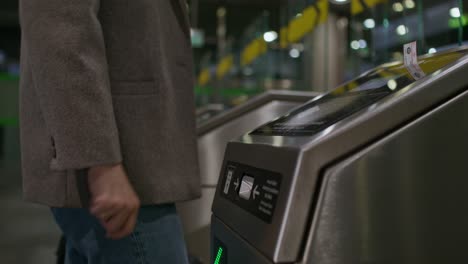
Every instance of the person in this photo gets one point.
(107, 124)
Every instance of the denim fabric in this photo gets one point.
(157, 238)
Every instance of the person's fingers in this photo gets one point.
(128, 228)
(114, 202)
(104, 210)
(117, 221)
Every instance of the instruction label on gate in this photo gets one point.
(253, 189)
(411, 60)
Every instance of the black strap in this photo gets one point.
(83, 189)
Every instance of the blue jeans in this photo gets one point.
(157, 238)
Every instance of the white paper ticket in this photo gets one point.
(411, 60)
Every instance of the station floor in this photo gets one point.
(28, 234)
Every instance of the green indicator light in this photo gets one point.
(218, 256)
(458, 22)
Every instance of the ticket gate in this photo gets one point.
(205, 113)
(372, 172)
(213, 135)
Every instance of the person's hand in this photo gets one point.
(113, 200)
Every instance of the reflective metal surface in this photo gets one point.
(211, 145)
(205, 113)
(400, 200)
(301, 160)
(213, 135)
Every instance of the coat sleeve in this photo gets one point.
(65, 50)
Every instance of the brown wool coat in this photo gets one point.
(102, 82)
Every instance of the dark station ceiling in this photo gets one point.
(240, 13)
